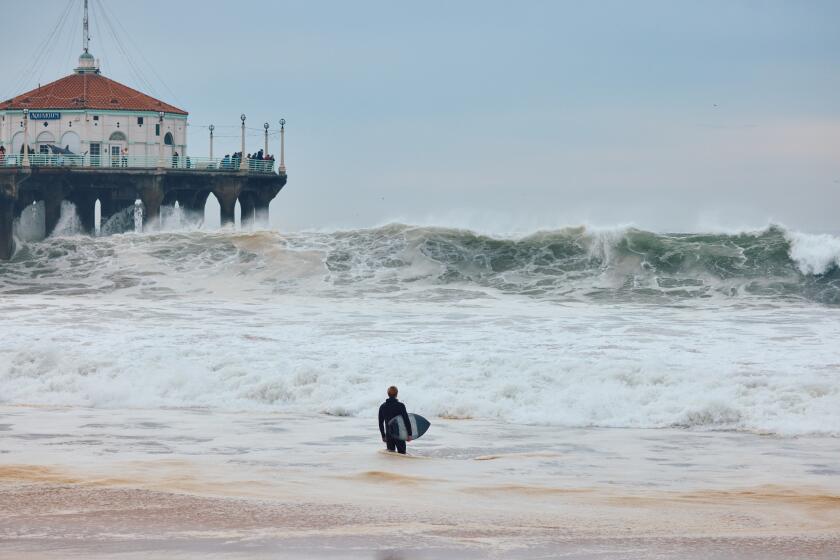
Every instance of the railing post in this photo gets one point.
(265, 153)
(161, 136)
(282, 168)
(243, 164)
(26, 138)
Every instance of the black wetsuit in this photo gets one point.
(391, 409)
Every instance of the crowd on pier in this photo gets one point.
(256, 161)
(56, 156)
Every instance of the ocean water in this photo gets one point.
(184, 392)
(570, 328)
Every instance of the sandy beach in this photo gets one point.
(79, 483)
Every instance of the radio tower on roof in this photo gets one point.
(87, 64)
(85, 29)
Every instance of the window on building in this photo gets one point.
(96, 117)
(139, 121)
(168, 140)
(157, 130)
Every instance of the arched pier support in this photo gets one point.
(151, 195)
(262, 199)
(85, 203)
(10, 184)
(24, 201)
(194, 202)
(7, 218)
(53, 197)
(247, 205)
(107, 208)
(227, 192)
(261, 217)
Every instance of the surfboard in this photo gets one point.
(419, 425)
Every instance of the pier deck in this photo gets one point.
(186, 181)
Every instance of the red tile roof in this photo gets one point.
(88, 91)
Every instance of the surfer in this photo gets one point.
(392, 408)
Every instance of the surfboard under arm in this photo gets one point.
(397, 430)
(401, 432)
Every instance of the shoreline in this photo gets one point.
(80, 483)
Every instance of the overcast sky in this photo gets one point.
(496, 115)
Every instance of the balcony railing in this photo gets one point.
(139, 162)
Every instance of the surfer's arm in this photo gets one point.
(382, 422)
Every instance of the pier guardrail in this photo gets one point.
(138, 162)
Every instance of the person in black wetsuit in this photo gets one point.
(392, 408)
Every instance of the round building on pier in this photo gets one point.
(96, 119)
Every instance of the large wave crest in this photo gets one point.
(568, 264)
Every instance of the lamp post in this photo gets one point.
(282, 146)
(26, 137)
(212, 128)
(160, 143)
(265, 153)
(243, 165)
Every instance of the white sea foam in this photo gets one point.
(323, 322)
(30, 226)
(621, 366)
(68, 224)
(814, 254)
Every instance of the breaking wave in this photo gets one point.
(579, 263)
(572, 264)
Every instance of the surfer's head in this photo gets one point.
(392, 391)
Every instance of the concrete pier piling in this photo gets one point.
(9, 196)
(7, 216)
(227, 193)
(118, 188)
(247, 207)
(52, 195)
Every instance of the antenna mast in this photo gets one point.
(85, 29)
(87, 64)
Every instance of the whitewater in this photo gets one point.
(575, 327)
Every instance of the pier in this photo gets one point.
(86, 138)
(118, 187)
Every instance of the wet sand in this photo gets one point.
(81, 483)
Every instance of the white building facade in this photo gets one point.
(98, 120)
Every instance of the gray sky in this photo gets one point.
(500, 116)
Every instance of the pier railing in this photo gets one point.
(139, 162)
